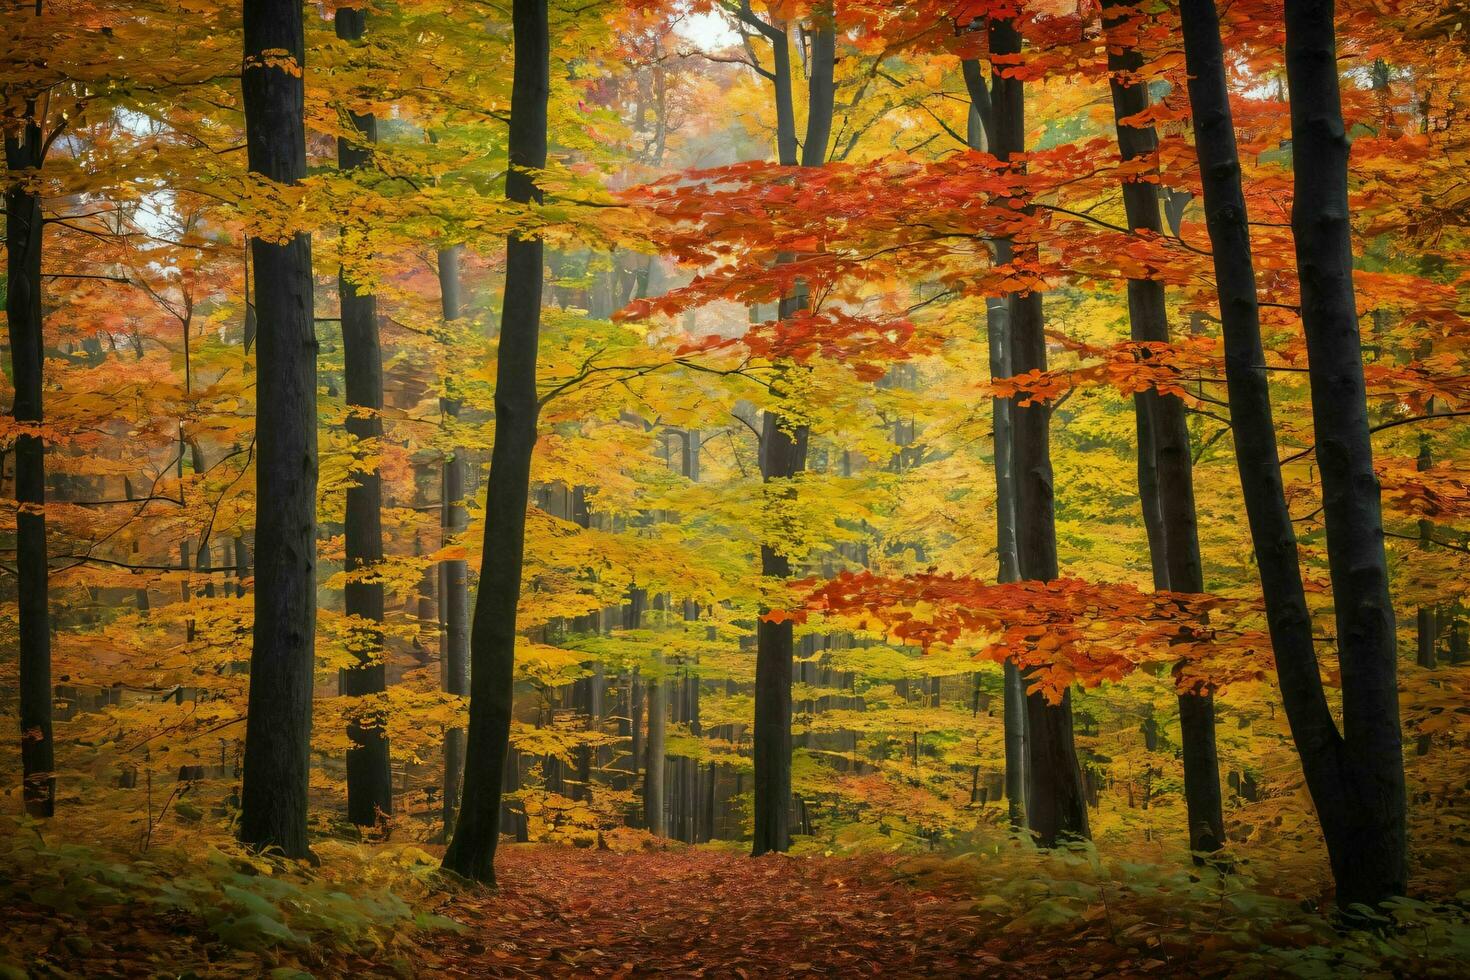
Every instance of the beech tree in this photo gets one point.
(1367, 839)
(783, 442)
(1165, 459)
(981, 134)
(1055, 806)
(26, 143)
(273, 798)
(454, 573)
(1359, 799)
(493, 630)
(369, 779)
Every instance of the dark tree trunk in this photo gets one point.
(1055, 804)
(998, 330)
(369, 777)
(1165, 464)
(278, 732)
(1369, 858)
(1361, 816)
(821, 90)
(493, 632)
(23, 233)
(783, 456)
(454, 575)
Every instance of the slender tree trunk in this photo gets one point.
(454, 573)
(1165, 465)
(692, 769)
(654, 802)
(1369, 859)
(493, 632)
(1056, 806)
(653, 748)
(369, 776)
(1364, 832)
(278, 731)
(635, 723)
(694, 773)
(997, 330)
(783, 456)
(23, 234)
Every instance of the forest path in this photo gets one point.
(564, 912)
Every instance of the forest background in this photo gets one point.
(785, 418)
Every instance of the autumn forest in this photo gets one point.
(735, 489)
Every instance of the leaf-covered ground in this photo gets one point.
(385, 910)
(564, 912)
(568, 912)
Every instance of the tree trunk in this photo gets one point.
(1165, 465)
(454, 573)
(369, 778)
(997, 330)
(1055, 804)
(653, 748)
(694, 773)
(1369, 858)
(1364, 835)
(23, 235)
(783, 456)
(493, 632)
(654, 812)
(278, 731)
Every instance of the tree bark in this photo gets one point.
(1165, 463)
(652, 748)
(1361, 815)
(454, 573)
(23, 235)
(1369, 858)
(471, 850)
(369, 776)
(783, 456)
(997, 330)
(654, 802)
(273, 798)
(1056, 806)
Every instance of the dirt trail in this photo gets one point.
(563, 912)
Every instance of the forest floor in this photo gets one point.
(201, 907)
(563, 912)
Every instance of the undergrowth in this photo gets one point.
(213, 909)
(90, 909)
(1221, 919)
